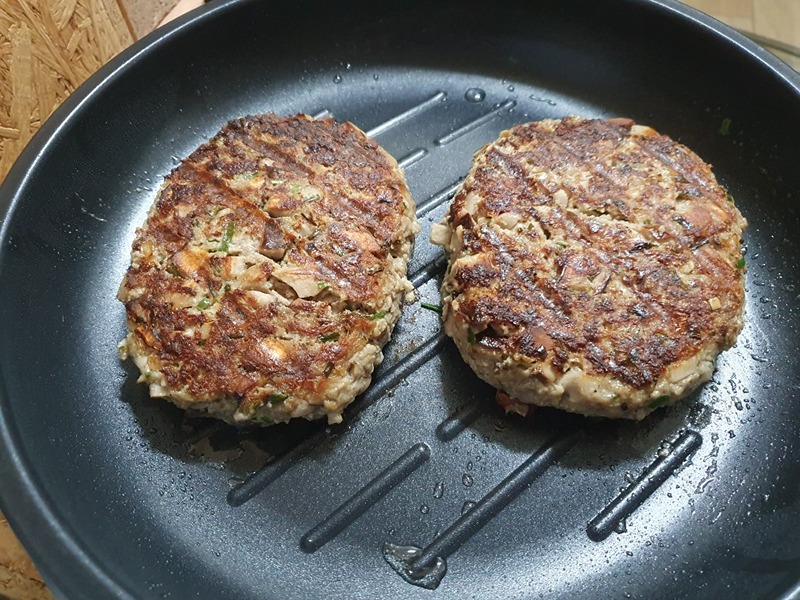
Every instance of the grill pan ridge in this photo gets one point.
(118, 495)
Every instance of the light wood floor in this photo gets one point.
(778, 20)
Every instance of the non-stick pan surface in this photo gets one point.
(116, 495)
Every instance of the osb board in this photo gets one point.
(19, 579)
(47, 49)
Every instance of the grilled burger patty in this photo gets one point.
(594, 266)
(270, 271)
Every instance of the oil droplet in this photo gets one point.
(337, 79)
(701, 487)
(467, 480)
(664, 450)
(402, 558)
(474, 95)
(469, 466)
(349, 66)
(467, 506)
(545, 100)
(510, 88)
(622, 526)
(424, 509)
(376, 77)
(438, 490)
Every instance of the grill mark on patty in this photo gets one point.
(643, 259)
(230, 337)
(367, 174)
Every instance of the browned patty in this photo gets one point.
(270, 271)
(594, 265)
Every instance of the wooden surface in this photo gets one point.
(777, 20)
(144, 15)
(48, 47)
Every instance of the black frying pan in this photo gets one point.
(116, 495)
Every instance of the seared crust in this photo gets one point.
(594, 265)
(270, 271)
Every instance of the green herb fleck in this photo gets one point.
(173, 270)
(471, 336)
(329, 337)
(227, 287)
(224, 245)
(265, 421)
(729, 198)
(725, 127)
(740, 263)
(379, 315)
(204, 304)
(294, 189)
(276, 398)
(660, 401)
(561, 244)
(433, 307)
(322, 285)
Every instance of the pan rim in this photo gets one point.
(23, 498)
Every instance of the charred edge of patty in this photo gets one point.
(563, 251)
(307, 223)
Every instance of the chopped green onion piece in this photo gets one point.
(329, 337)
(379, 315)
(226, 239)
(471, 336)
(725, 127)
(276, 398)
(204, 304)
(740, 263)
(433, 307)
(295, 189)
(660, 401)
(322, 285)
